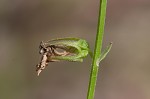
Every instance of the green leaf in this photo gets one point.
(104, 53)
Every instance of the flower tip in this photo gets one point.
(38, 72)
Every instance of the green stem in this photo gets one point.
(98, 47)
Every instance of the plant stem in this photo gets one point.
(98, 47)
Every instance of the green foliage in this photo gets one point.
(104, 53)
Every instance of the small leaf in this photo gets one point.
(104, 53)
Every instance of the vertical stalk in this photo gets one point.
(98, 47)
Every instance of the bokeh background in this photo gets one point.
(124, 74)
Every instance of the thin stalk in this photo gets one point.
(98, 47)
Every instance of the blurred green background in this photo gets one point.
(124, 74)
